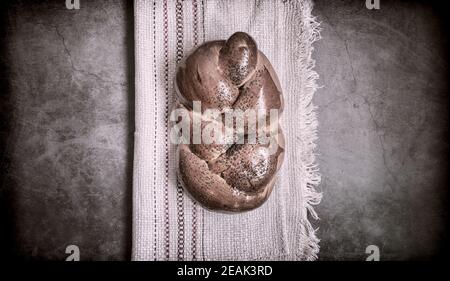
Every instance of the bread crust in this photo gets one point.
(230, 75)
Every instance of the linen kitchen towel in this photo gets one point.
(167, 223)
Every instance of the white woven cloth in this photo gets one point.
(167, 223)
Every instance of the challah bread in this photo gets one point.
(230, 175)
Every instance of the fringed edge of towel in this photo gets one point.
(307, 34)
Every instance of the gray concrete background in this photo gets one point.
(383, 135)
(66, 125)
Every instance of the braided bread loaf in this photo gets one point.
(231, 176)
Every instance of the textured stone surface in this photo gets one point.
(69, 143)
(66, 123)
(383, 139)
